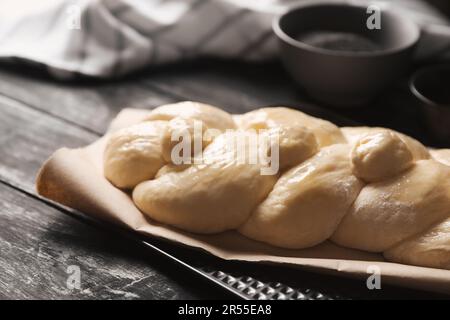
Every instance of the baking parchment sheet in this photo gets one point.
(74, 177)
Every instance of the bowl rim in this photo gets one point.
(282, 35)
(418, 94)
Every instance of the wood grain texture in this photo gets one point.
(28, 137)
(88, 104)
(38, 243)
(91, 104)
(235, 87)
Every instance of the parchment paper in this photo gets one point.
(74, 177)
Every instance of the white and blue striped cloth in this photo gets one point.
(116, 37)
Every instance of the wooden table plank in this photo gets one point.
(92, 104)
(235, 87)
(28, 137)
(38, 244)
(88, 104)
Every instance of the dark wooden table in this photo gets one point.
(38, 240)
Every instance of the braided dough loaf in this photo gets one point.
(372, 189)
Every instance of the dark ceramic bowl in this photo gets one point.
(344, 77)
(431, 87)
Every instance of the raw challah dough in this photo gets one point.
(418, 150)
(307, 202)
(326, 133)
(210, 116)
(206, 198)
(134, 154)
(379, 155)
(181, 128)
(441, 155)
(388, 212)
(429, 249)
(296, 144)
(371, 189)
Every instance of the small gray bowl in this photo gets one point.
(430, 86)
(344, 77)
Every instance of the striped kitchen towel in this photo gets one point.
(109, 38)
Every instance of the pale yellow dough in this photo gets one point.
(418, 150)
(295, 144)
(388, 212)
(379, 155)
(178, 129)
(428, 249)
(441, 155)
(134, 154)
(210, 116)
(325, 132)
(307, 203)
(371, 189)
(206, 198)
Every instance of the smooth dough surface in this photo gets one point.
(210, 116)
(206, 198)
(182, 138)
(295, 144)
(134, 154)
(429, 249)
(388, 212)
(325, 132)
(441, 155)
(307, 202)
(418, 150)
(379, 155)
